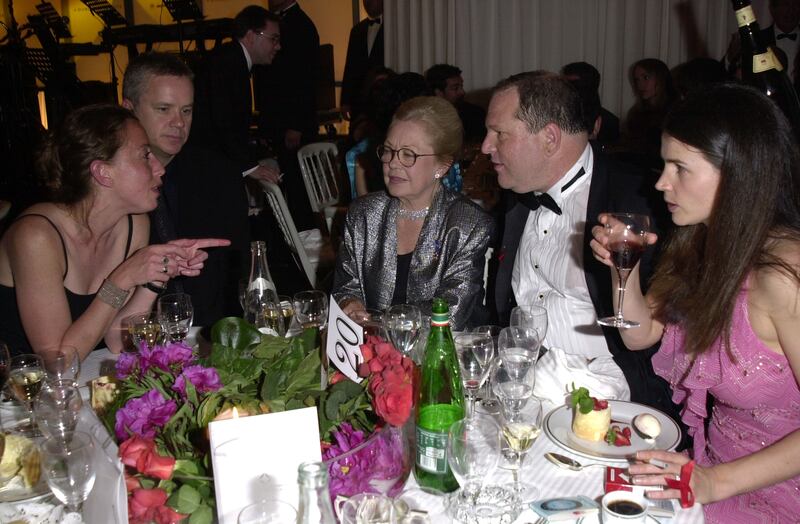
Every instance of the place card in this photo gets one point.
(344, 342)
(256, 457)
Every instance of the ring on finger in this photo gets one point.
(164, 268)
(165, 260)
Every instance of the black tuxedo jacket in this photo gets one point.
(614, 187)
(222, 106)
(286, 90)
(358, 63)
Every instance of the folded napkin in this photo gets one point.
(556, 371)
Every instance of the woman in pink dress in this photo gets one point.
(725, 300)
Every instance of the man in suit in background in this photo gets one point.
(364, 52)
(605, 124)
(538, 144)
(286, 91)
(223, 99)
(447, 82)
(784, 32)
(202, 193)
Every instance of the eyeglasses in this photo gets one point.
(406, 156)
(276, 38)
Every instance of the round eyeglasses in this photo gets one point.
(405, 156)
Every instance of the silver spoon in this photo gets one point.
(567, 463)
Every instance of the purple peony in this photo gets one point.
(142, 416)
(203, 379)
(164, 357)
(126, 365)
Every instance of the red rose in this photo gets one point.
(337, 376)
(132, 449)
(392, 401)
(131, 483)
(167, 515)
(143, 502)
(154, 465)
(366, 352)
(375, 365)
(363, 370)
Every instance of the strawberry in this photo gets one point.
(618, 437)
(622, 440)
(600, 405)
(627, 432)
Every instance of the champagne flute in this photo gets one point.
(56, 408)
(402, 323)
(475, 352)
(175, 314)
(25, 379)
(626, 241)
(69, 468)
(488, 401)
(287, 311)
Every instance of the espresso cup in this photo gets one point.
(623, 507)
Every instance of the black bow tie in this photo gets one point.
(533, 201)
(373, 21)
(790, 36)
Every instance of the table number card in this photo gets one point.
(344, 340)
(256, 458)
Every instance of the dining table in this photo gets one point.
(550, 480)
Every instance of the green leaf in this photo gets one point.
(147, 483)
(307, 375)
(203, 515)
(186, 500)
(235, 333)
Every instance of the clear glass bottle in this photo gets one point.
(440, 403)
(262, 307)
(314, 505)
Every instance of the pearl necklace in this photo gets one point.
(412, 215)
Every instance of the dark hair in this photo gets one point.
(394, 92)
(147, 65)
(665, 92)
(697, 73)
(702, 270)
(437, 75)
(94, 132)
(585, 71)
(252, 18)
(590, 103)
(545, 98)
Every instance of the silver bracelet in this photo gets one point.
(112, 295)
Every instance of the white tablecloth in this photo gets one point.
(549, 479)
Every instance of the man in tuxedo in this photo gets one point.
(539, 146)
(223, 108)
(202, 194)
(604, 124)
(286, 93)
(447, 82)
(364, 53)
(784, 31)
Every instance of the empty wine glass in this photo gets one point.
(626, 241)
(268, 512)
(530, 316)
(62, 362)
(25, 379)
(473, 451)
(521, 338)
(69, 468)
(175, 314)
(56, 408)
(488, 401)
(402, 323)
(311, 309)
(475, 352)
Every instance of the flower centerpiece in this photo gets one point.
(167, 395)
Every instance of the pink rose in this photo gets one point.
(154, 465)
(131, 482)
(133, 448)
(142, 504)
(167, 515)
(392, 400)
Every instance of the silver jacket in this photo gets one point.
(447, 262)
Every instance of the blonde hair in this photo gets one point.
(441, 121)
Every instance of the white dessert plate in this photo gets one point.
(558, 428)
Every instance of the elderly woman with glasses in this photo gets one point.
(417, 240)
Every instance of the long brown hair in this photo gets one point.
(703, 267)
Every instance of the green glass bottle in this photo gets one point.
(440, 403)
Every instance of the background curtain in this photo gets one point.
(491, 39)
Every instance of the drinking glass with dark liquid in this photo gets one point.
(626, 241)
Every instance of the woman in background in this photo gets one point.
(725, 302)
(72, 267)
(652, 85)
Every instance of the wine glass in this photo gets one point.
(62, 362)
(488, 401)
(56, 408)
(175, 314)
(402, 323)
(475, 352)
(473, 451)
(530, 316)
(513, 380)
(311, 309)
(143, 328)
(68, 467)
(521, 428)
(267, 512)
(520, 338)
(287, 311)
(25, 379)
(626, 241)
(5, 364)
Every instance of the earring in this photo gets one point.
(436, 176)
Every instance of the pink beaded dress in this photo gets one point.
(756, 403)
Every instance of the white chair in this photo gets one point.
(318, 164)
(278, 205)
